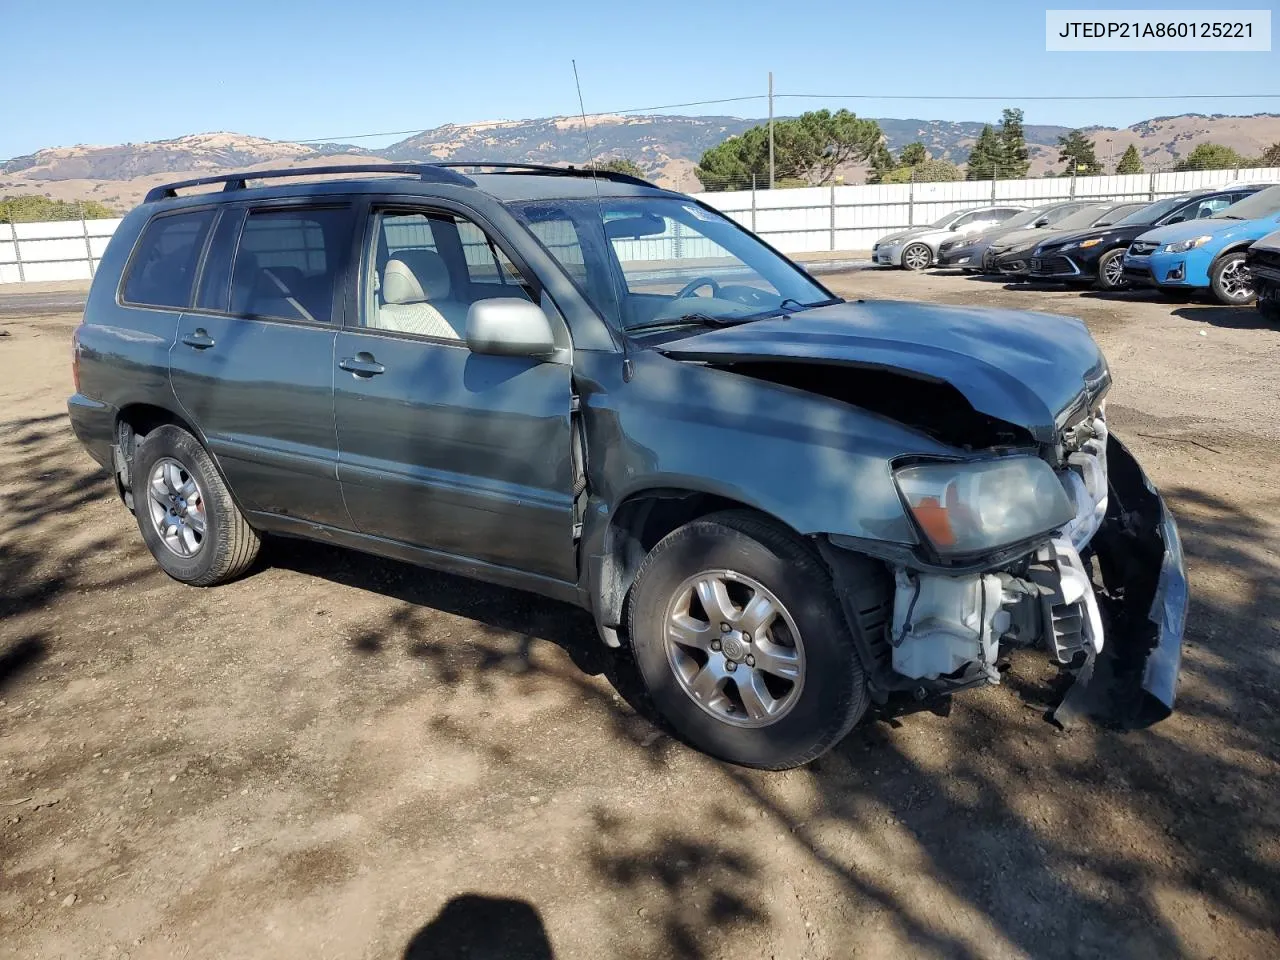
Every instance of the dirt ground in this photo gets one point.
(346, 757)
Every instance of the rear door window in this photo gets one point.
(289, 261)
(163, 269)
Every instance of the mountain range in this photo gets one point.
(666, 147)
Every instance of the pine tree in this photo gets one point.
(912, 154)
(984, 158)
(1077, 152)
(1015, 158)
(1130, 162)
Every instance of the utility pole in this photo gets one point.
(770, 129)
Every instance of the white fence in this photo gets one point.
(798, 221)
(56, 250)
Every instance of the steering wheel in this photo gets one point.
(692, 285)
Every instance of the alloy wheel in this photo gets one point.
(734, 648)
(175, 505)
(1235, 281)
(916, 257)
(1113, 272)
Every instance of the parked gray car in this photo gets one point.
(1011, 254)
(788, 506)
(966, 251)
(917, 248)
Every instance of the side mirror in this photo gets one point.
(1178, 219)
(509, 327)
(1042, 222)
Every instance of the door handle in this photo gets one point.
(362, 365)
(200, 339)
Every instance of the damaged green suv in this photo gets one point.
(788, 506)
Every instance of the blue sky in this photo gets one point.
(85, 71)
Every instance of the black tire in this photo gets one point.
(1268, 302)
(916, 248)
(1222, 277)
(228, 546)
(1106, 264)
(833, 695)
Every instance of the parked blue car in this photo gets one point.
(1208, 253)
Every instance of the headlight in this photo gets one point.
(977, 506)
(1083, 244)
(1182, 246)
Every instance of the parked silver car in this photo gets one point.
(917, 248)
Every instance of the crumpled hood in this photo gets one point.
(1021, 367)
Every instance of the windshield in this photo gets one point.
(1023, 219)
(1261, 204)
(1084, 218)
(1153, 211)
(945, 221)
(644, 260)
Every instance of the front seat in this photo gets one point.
(415, 295)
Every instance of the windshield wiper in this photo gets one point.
(689, 319)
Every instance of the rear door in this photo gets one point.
(443, 449)
(253, 360)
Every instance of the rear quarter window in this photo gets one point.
(162, 270)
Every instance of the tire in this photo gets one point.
(1268, 302)
(918, 254)
(1111, 271)
(813, 713)
(169, 464)
(1229, 281)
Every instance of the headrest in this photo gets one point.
(412, 276)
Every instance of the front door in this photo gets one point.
(460, 453)
(253, 361)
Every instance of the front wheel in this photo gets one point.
(917, 256)
(1230, 280)
(185, 512)
(742, 644)
(1111, 270)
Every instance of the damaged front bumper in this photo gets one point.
(1106, 597)
(1144, 596)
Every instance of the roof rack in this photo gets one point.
(236, 181)
(543, 168)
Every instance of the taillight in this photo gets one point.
(75, 359)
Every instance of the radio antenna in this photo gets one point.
(604, 240)
(586, 133)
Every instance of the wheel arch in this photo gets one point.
(1237, 246)
(635, 526)
(134, 421)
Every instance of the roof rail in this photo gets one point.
(546, 169)
(236, 181)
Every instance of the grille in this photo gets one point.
(1052, 266)
(1143, 248)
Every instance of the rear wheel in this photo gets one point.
(185, 512)
(1111, 270)
(742, 644)
(917, 256)
(1230, 280)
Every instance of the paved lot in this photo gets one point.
(344, 757)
